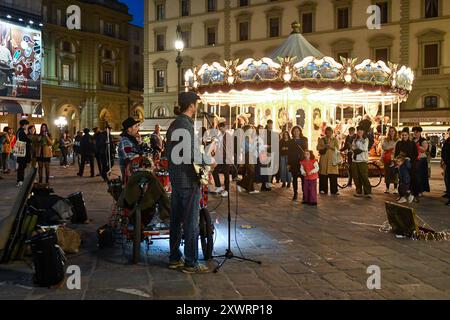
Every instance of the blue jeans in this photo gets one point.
(185, 210)
(285, 174)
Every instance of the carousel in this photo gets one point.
(298, 85)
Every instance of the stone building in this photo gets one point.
(415, 33)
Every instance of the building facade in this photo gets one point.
(136, 69)
(85, 72)
(415, 33)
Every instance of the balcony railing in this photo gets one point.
(430, 71)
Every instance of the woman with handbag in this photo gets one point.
(296, 153)
(328, 148)
(22, 151)
(44, 153)
(387, 156)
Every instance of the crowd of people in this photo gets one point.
(29, 147)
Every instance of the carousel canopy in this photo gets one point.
(315, 78)
(295, 46)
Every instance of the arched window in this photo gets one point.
(160, 112)
(430, 102)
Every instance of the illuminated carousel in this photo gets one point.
(298, 85)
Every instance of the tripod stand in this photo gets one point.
(228, 253)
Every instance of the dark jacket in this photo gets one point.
(77, 144)
(408, 148)
(284, 147)
(182, 176)
(22, 136)
(446, 152)
(296, 153)
(87, 145)
(101, 143)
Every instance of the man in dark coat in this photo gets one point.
(446, 165)
(87, 147)
(23, 161)
(102, 142)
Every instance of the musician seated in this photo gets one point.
(130, 148)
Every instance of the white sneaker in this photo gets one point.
(19, 184)
(269, 185)
(420, 195)
(395, 191)
(402, 200)
(219, 190)
(254, 192)
(410, 198)
(239, 189)
(224, 194)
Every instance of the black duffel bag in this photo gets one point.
(48, 259)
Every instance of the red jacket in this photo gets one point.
(311, 167)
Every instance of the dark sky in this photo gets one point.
(136, 9)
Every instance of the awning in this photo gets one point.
(10, 106)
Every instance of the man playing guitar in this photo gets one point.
(185, 189)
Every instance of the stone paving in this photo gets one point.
(306, 253)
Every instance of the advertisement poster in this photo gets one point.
(20, 62)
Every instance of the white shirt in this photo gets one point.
(361, 144)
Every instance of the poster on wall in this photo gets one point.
(20, 62)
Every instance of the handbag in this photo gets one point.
(20, 149)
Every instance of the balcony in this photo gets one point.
(430, 71)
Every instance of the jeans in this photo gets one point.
(225, 169)
(5, 158)
(447, 181)
(21, 171)
(105, 165)
(360, 171)
(85, 158)
(63, 160)
(185, 211)
(285, 174)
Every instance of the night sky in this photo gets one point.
(136, 9)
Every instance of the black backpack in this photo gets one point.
(371, 140)
(48, 259)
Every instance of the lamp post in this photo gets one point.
(179, 46)
(61, 122)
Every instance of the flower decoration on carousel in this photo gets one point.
(286, 68)
(230, 71)
(348, 69)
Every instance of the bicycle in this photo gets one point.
(344, 177)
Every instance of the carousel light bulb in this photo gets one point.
(348, 78)
(195, 84)
(230, 79)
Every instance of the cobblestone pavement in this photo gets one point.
(306, 253)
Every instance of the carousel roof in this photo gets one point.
(295, 46)
(314, 77)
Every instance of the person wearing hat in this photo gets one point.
(22, 138)
(421, 181)
(87, 146)
(130, 145)
(185, 200)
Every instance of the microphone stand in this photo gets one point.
(228, 252)
(108, 151)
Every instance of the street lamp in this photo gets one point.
(61, 122)
(179, 46)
